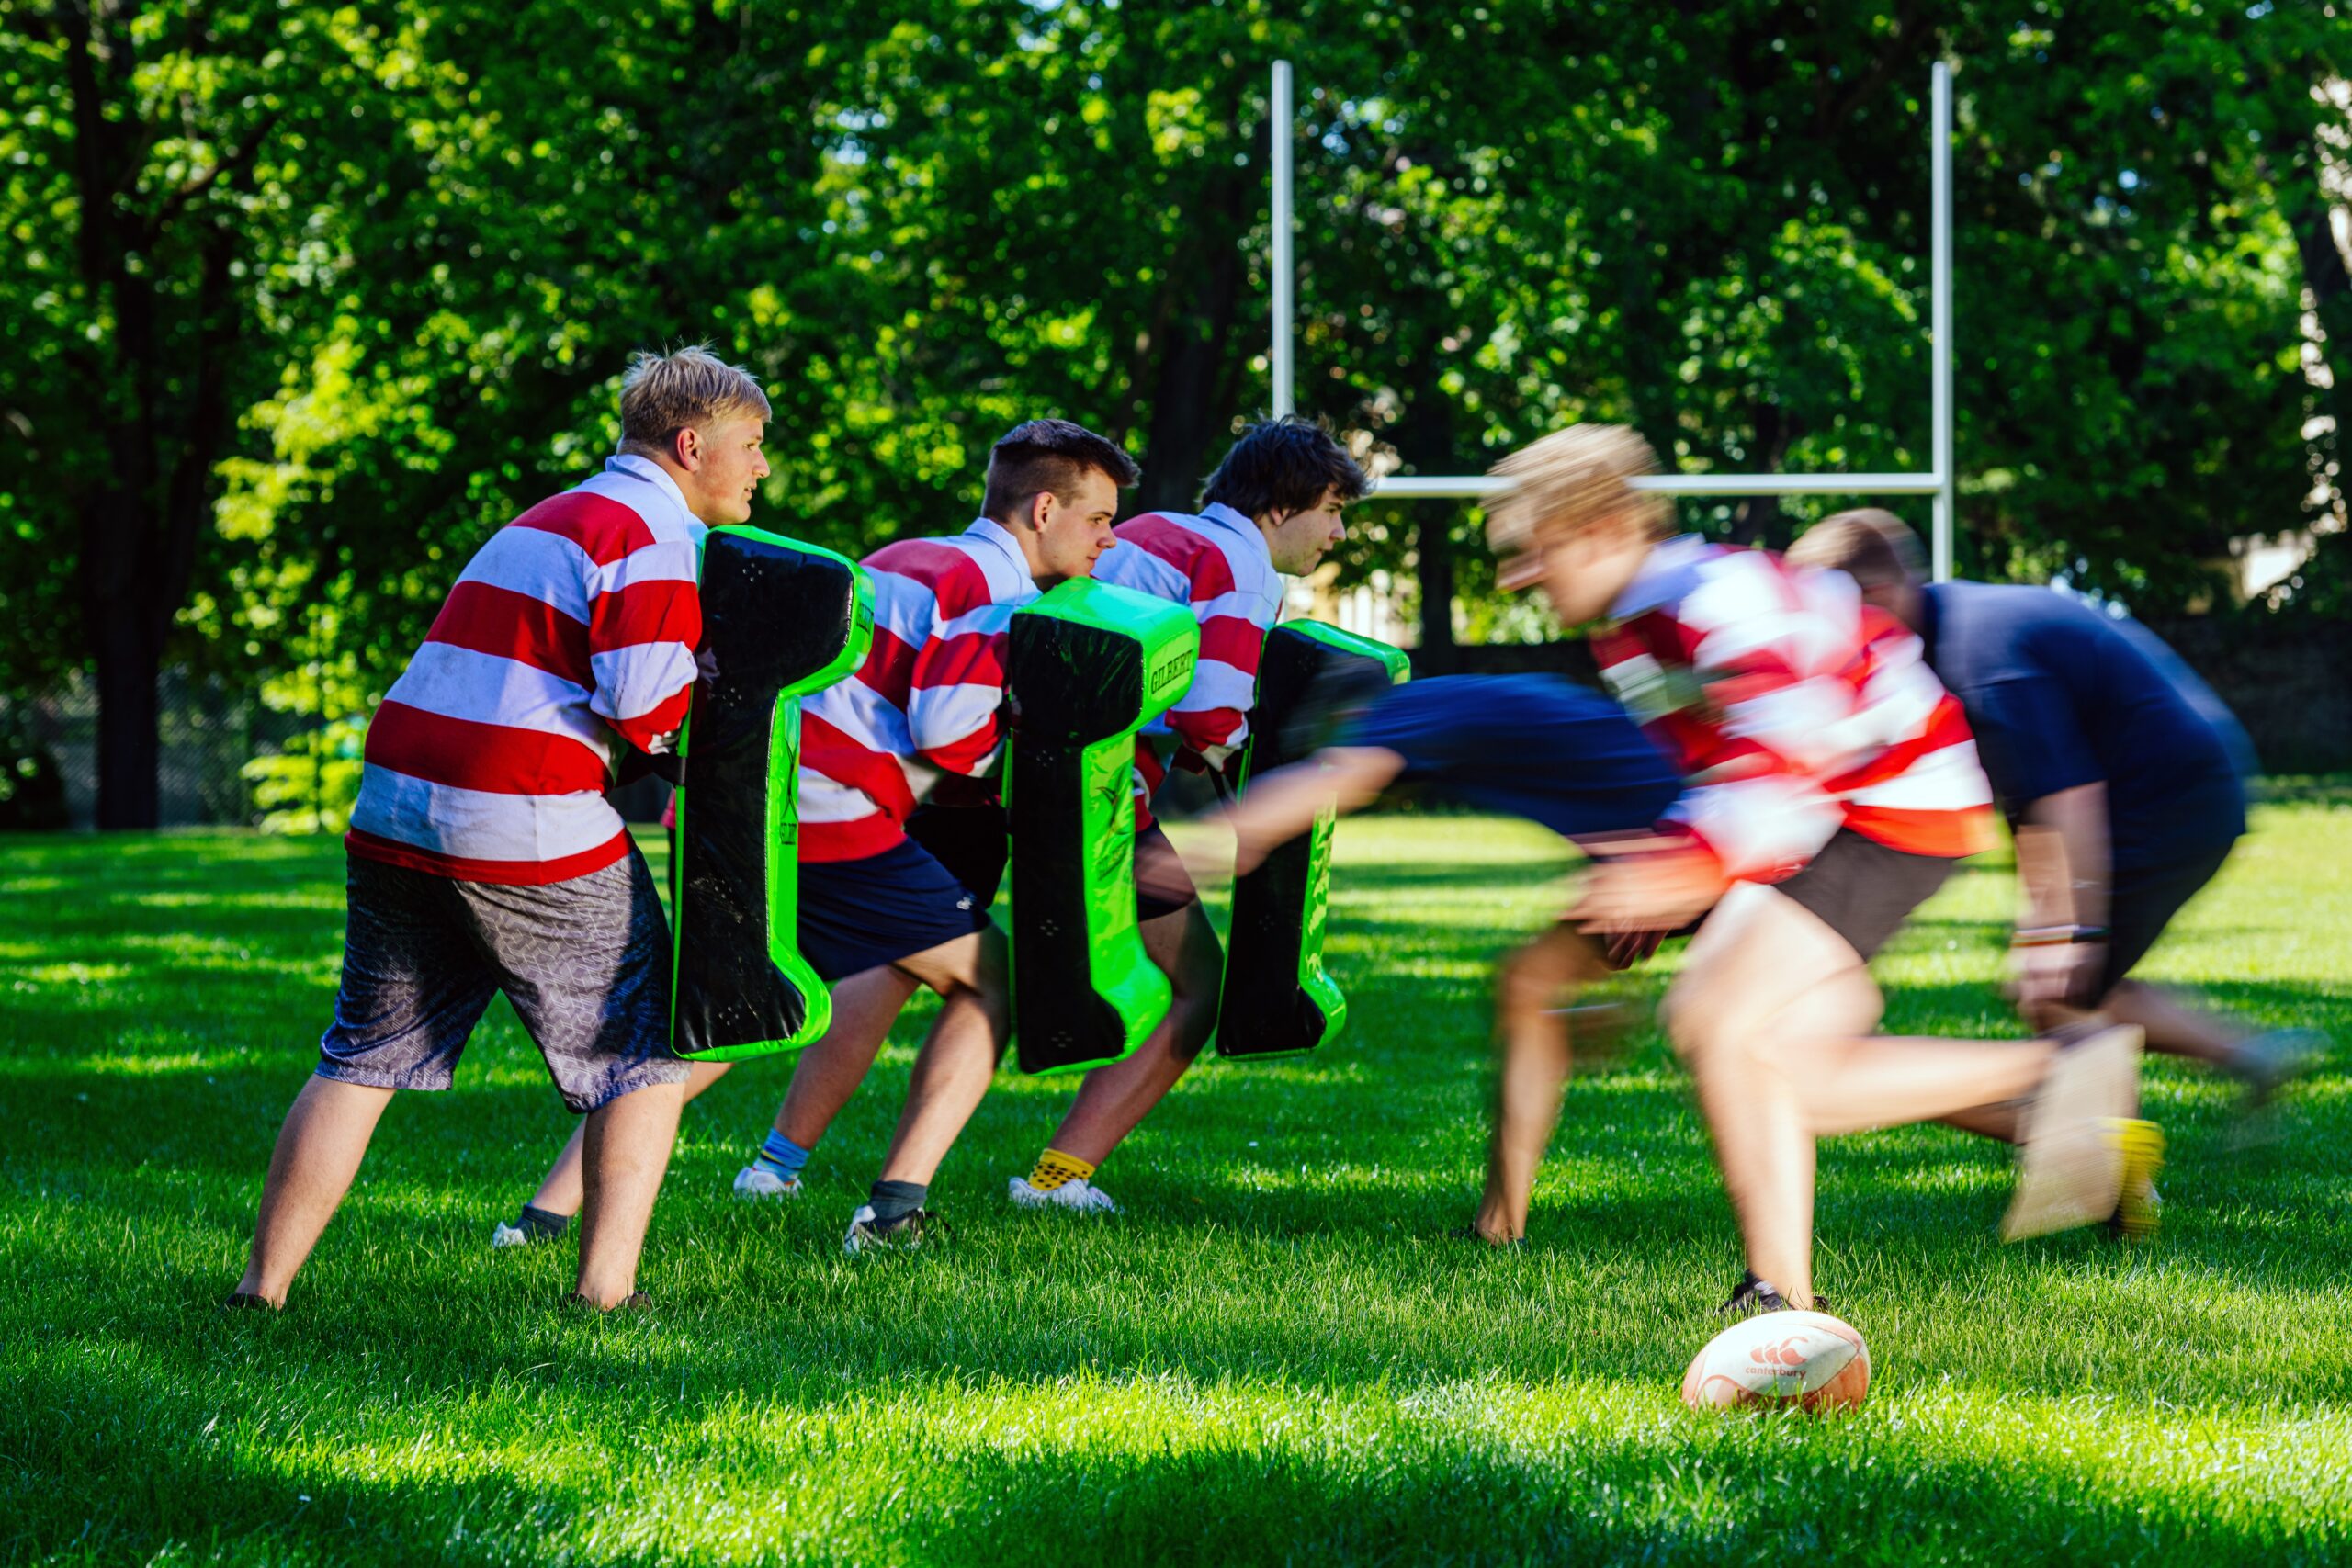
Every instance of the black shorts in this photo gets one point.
(2141, 901)
(969, 841)
(1865, 891)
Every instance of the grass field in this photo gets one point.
(1274, 1355)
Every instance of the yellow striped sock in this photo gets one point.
(1055, 1169)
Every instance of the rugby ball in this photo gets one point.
(1808, 1359)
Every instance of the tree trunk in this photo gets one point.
(1760, 519)
(130, 663)
(2330, 281)
(1187, 415)
(1433, 563)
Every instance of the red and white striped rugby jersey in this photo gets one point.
(570, 631)
(1218, 564)
(1793, 708)
(926, 704)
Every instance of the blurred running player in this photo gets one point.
(1529, 746)
(2120, 773)
(1830, 782)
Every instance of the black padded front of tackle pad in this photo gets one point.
(1264, 1011)
(772, 617)
(1074, 685)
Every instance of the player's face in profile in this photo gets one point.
(1299, 541)
(1075, 530)
(726, 478)
(1583, 572)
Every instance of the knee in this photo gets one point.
(1524, 986)
(1191, 1018)
(1689, 1024)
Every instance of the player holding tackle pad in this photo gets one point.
(880, 914)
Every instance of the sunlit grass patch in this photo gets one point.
(1276, 1353)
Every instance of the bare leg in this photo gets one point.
(953, 1070)
(627, 1149)
(560, 1191)
(1532, 1070)
(1114, 1099)
(1770, 1013)
(2174, 1029)
(865, 1006)
(319, 1148)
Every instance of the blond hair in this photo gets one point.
(687, 389)
(1569, 480)
(1874, 546)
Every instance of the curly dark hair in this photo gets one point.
(1284, 464)
(1049, 454)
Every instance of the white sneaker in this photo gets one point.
(752, 1182)
(1077, 1193)
(509, 1236)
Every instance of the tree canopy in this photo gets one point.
(305, 298)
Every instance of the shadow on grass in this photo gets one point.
(96, 1482)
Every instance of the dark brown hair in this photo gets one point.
(1049, 455)
(1284, 465)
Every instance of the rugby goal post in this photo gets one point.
(1936, 482)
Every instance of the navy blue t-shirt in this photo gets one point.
(2061, 695)
(1532, 746)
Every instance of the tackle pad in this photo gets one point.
(1088, 664)
(1277, 998)
(780, 619)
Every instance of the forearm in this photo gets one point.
(1282, 805)
(2064, 860)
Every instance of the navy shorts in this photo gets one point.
(969, 841)
(857, 914)
(2142, 899)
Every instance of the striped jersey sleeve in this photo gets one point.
(1233, 591)
(572, 631)
(927, 702)
(1796, 710)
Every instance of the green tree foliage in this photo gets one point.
(304, 299)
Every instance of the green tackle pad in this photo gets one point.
(1278, 999)
(1088, 664)
(780, 619)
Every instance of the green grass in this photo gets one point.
(1273, 1354)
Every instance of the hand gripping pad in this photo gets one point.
(1277, 998)
(780, 619)
(1090, 664)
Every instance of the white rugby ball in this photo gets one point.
(1805, 1358)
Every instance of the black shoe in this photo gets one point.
(249, 1301)
(906, 1233)
(1756, 1295)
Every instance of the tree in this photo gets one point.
(181, 159)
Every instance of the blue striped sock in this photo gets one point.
(781, 1157)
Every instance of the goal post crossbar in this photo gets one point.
(1935, 483)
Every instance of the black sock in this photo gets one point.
(895, 1200)
(539, 1223)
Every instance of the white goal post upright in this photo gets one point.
(1936, 482)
